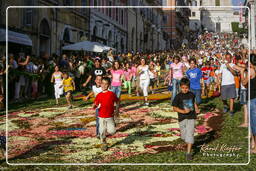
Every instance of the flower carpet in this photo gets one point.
(68, 135)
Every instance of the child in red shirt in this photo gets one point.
(105, 102)
(206, 70)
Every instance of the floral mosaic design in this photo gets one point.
(69, 135)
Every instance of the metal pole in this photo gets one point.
(253, 25)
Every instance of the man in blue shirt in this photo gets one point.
(194, 74)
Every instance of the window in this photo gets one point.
(217, 2)
(193, 14)
(68, 2)
(28, 16)
(84, 2)
(164, 19)
(122, 17)
(117, 11)
(110, 9)
(194, 3)
(95, 3)
(28, 13)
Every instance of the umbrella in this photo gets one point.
(106, 48)
(86, 46)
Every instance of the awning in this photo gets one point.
(106, 48)
(84, 45)
(87, 46)
(15, 37)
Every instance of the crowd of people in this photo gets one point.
(218, 66)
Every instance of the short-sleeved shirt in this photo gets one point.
(194, 76)
(177, 70)
(96, 90)
(67, 83)
(206, 72)
(97, 71)
(106, 102)
(128, 75)
(185, 101)
(116, 77)
(227, 76)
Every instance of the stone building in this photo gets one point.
(252, 5)
(145, 31)
(218, 19)
(195, 17)
(47, 29)
(176, 21)
(109, 25)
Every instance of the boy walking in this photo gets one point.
(105, 102)
(184, 104)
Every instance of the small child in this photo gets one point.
(128, 78)
(96, 89)
(158, 71)
(105, 102)
(184, 104)
(69, 87)
(152, 76)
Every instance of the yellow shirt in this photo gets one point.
(67, 83)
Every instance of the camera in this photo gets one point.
(253, 59)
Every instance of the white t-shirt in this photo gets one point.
(151, 75)
(227, 76)
(144, 74)
(96, 90)
(200, 61)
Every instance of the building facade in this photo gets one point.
(176, 21)
(145, 32)
(49, 29)
(218, 19)
(195, 17)
(109, 25)
(252, 5)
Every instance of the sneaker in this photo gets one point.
(231, 113)
(104, 147)
(146, 104)
(225, 110)
(189, 156)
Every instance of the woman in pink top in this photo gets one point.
(117, 75)
(175, 74)
(134, 71)
(128, 77)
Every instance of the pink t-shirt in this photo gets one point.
(116, 77)
(177, 70)
(134, 70)
(128, 75)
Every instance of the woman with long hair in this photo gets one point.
(117, 75)
(143, 72)
(177, 69)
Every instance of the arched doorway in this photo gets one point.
(141, 42)
(122, 45)
(45, 38)
(94, 34)
(110, 38)
(132, 41)
(66, 36)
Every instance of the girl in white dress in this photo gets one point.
(143, 72)
(57, 80)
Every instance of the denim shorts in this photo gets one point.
(243, 97)
(253, 115)
(116, 90)
(187, 129)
